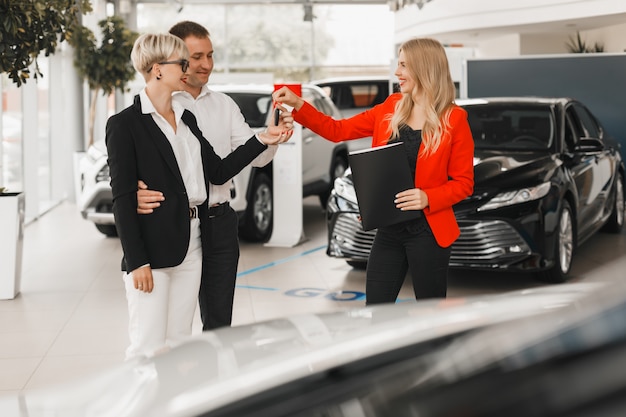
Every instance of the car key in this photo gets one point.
(276, 116)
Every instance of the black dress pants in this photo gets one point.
(397, 249)
(219, 271)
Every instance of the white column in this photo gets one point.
(67, 122)
(30, 147)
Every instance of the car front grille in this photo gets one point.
(349, 240)
(490, 244)
(483, 244)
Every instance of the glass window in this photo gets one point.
(588, 122)
(44, 184)
(253, 106)
(11, 174)
(511, 126)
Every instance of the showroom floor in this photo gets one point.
(70, 317)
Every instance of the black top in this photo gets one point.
(412, 140)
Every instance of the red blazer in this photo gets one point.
(447, 176)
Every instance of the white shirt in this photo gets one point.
(186, 149)
(223, 125)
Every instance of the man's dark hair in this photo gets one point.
(187, 28)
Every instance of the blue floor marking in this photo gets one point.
(274, 263)
(252, 287)
(278, 262)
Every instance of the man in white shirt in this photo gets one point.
(223, 125)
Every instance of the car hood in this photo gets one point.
(496, 171)
(507, 170)
(223, 366)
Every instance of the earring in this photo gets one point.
(158, 77)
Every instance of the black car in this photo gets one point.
(547, 177)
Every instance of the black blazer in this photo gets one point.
(138, 149)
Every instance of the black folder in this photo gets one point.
(379, 174)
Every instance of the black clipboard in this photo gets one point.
(379, 174)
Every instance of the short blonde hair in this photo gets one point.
(151, 48)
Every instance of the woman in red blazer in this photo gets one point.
(440, 152)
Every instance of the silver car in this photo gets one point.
(373, 361)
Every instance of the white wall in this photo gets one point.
(487, 24)
(508, 45)
(613, 37)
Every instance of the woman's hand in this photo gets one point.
(413, 199)
(274, 139)
(275, 134)
(285, 124)
(142, 278)
(285, 96)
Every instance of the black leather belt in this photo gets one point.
(193, 212)
(218, 210)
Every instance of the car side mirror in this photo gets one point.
(589, 145)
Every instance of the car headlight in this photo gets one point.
(345, 189)
(510, 198)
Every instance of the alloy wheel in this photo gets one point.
(566, 240)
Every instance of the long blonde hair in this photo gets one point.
(427, 63)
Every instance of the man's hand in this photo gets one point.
(147, 200)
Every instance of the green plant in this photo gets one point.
(2, 190)
(106, 67)
(30, 27)
(578, 46)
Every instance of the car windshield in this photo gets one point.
(511, 126)
(254, 106)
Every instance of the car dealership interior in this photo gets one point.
(63, 307)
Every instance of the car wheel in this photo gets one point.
(564, 248)
(358, 264)
(258, 220)
(108, 230)
(338, 168)
(616, 220)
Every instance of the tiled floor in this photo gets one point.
(70, 317)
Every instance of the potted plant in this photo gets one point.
(106, 67)
(28, 28)
(578, 46)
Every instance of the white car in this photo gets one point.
(252, 197)
(542, 352)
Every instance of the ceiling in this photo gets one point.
(183, 2)
(463, 36)
(567, 27)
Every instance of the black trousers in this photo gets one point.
(219, 271)
(406, 247)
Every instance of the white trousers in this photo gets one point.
(164, 317)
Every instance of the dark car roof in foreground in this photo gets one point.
(225, 366)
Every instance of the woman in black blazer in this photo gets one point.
(159, 142)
